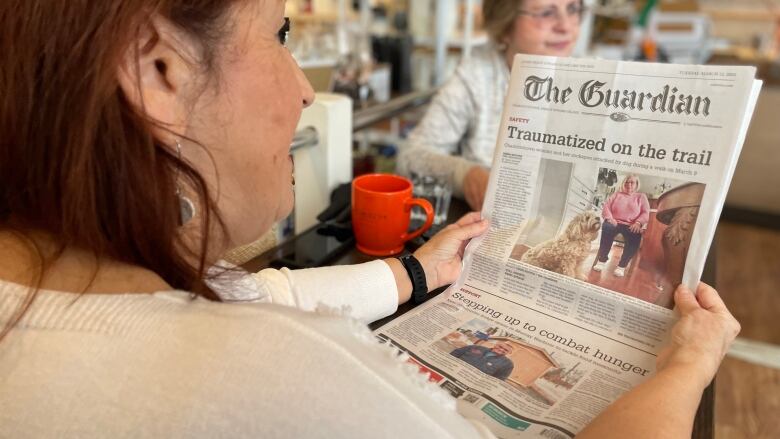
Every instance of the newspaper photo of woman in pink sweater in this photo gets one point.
(626, 212)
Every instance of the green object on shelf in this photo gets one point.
(644, 15)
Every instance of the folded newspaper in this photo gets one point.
(607, 183)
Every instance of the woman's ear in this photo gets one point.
(157, 75)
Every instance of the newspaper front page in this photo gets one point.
(607, 182)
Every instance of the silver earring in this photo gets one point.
(186, 206)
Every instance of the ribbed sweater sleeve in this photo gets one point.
(367, 292)
(432, 144)
(460, 127)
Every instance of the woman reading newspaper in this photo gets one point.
(139, 140)
(454, 142)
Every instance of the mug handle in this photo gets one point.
(426, 205)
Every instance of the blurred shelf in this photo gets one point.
(738, 13)
(457, 41)
(306, 18)
(627, 11)
(317, 63)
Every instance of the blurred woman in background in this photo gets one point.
(455, 140)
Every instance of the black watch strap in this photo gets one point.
(417, 275)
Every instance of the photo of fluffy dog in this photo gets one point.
(566, 252)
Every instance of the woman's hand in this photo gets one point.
(475, 185)
(612, 221)
(441, 257)
(686, 366)
(702, 336)
(635, 227)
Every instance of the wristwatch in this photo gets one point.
(417, 275)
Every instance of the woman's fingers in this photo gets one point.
(685, 300)
(709, 299)
(469, 218)
(706, 298)
(703, 334)
(470, 230)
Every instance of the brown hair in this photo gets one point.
(76, 159)
(499, 16)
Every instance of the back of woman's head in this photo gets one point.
(77, 160)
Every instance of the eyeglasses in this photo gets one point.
(552, 14)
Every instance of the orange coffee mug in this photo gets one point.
(381, 209)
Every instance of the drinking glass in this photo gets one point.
(437, 192)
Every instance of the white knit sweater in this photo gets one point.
(167, 365)
(460, 128)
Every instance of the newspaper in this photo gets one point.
(623, 163)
